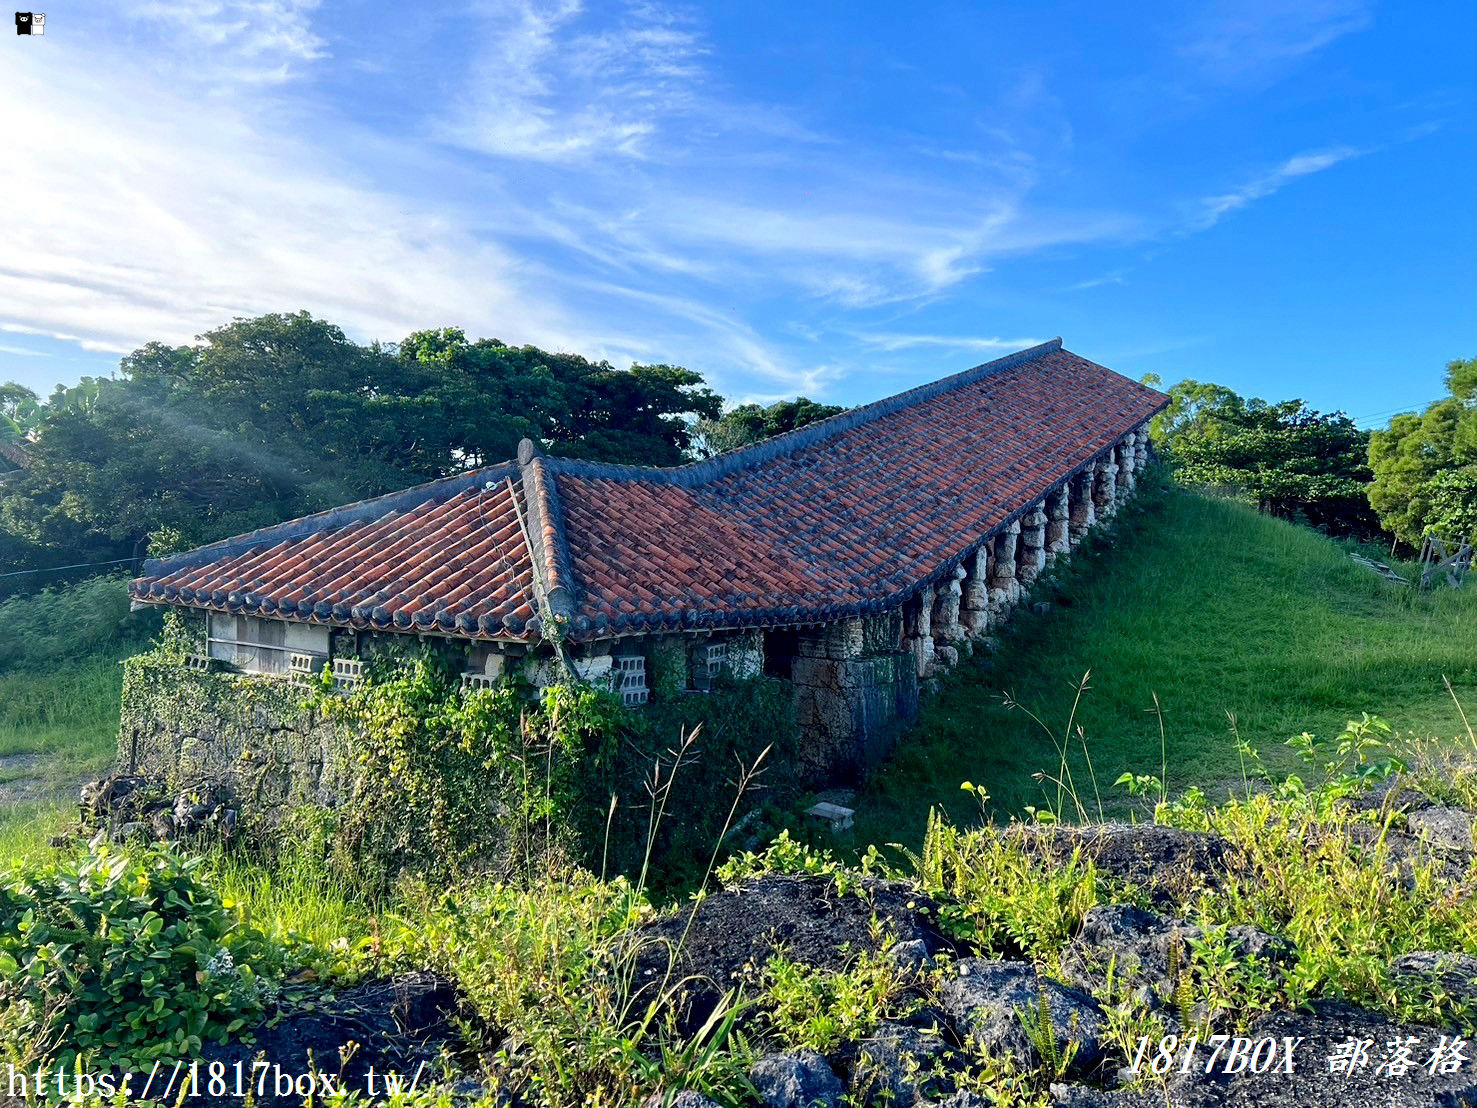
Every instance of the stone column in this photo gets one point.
(1081, 516)
(1141, 447)
(975, 601)
(945, 625)
(1124, 453)
(1033, 546)
(922, 639)
(1005, 589)
(947, 604)
(1058, 540)
(1104, 489)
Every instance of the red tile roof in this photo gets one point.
(846, 516)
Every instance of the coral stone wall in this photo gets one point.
(252, 735)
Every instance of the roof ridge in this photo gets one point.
(370, 508)
(710, 469)
(548, 544)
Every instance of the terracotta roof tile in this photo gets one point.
(848, 515)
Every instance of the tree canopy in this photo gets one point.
(1425, 466)
(751, 423)
(268, 418)
(1286, 458)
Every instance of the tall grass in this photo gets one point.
(1230, 618)
(58, 625)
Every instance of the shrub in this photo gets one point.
(60, 624)
(119, 959)
(505, 780)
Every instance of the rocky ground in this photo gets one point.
(969, 1006)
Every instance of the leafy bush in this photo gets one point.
(504, 780)
(58, 625)
(119, 959)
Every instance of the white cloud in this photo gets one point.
(1214, 208)
(159, 224)
(898, 341)
(544, 90)
(22, 352)
(1240, 39)
(253, 40)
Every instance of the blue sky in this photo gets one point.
(842, 200)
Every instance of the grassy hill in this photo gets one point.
(1219, 611)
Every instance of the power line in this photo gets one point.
(58, 569)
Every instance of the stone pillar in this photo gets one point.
(1104, 489)
(922, 636)
(1141, 447)
(975, 602)
(946, 626)
(842, 639)
(853, 691)
(1124, 453)
(1058, 540)
(1005, 589)
(1033, 546)
(1081, 514)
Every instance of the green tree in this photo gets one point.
(1425, 466)
(751, 423)
(20, 409)
(1286, 458)
(269, 418)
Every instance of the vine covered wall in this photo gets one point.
(412, 770)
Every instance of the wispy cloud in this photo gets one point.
(1238, 39)
(546, 90)
(258, 40)
(1116, 277)
(894, 341)
(22, 352)
(1214, 208)
(169, 221)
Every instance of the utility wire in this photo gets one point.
(58, 569)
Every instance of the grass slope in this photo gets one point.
(1218, 610)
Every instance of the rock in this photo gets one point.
(132, 831)
(800, 1079)
(1313, 1083)
(1149, 952)
(896, 1065)
(736, 931)
(912, 954)
(398, 1023)
(1446, 828)
(161, 822)
(991, 1002)
(1405, 853)
(1170, 864)
(1455, 973)
(686, 1098)
(118, 794)
(1387, 794)
(963, 1099)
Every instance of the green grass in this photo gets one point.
(67, 717)
(1217, 610)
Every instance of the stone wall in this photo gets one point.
(253, 736)
(854, 691)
